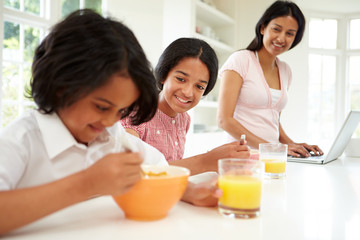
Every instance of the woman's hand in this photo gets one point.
(303, 150)
(114, 174)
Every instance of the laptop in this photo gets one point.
(339, 144)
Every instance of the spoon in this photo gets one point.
(242, 139)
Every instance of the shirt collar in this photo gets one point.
(57, 138)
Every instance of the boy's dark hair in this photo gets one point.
(278, 9)
(80, 54)
(184, 48)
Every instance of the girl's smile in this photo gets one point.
(184, 86)
(182, 100)
(88, 117)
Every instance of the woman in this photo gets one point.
(254, 84)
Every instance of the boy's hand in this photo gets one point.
(114, 174)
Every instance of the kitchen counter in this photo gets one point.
(311, 202)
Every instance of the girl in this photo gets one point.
(186, 71)
(254, 84)
(87, 74)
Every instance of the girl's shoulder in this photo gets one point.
(185, 115)
(184, 120)
(139, 129)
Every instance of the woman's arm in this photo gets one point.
(230, 87)
(112, 175)
(283, 137)
(298, 149)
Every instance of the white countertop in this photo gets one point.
(312, 202)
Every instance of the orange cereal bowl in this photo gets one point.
(155, 194)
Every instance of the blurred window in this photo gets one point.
(331, 81)
(68, 6)
(25, 23)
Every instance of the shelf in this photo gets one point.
(217, 26)
(217, 45)
(212, 16)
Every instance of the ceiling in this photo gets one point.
(336, 6)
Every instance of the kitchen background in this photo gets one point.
(325, 82)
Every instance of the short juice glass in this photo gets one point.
(274, 155)
(241, 183)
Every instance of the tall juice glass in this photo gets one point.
(241, 183)
(274, 155)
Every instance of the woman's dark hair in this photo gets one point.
(278, 9)
(184, 48)
(80, 54)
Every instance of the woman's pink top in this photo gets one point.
(165, 133)
(255, 109)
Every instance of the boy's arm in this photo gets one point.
(23, 206)
(112, 175)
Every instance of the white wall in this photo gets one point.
(249, 13)
(144, 18)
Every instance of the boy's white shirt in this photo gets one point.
(38, 148)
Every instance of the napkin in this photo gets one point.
(120, 141)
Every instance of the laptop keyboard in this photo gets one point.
(311, 157)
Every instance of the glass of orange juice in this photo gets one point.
(274, 155)
(241, 183)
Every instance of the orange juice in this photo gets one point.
(274, 165)
(240, 192)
